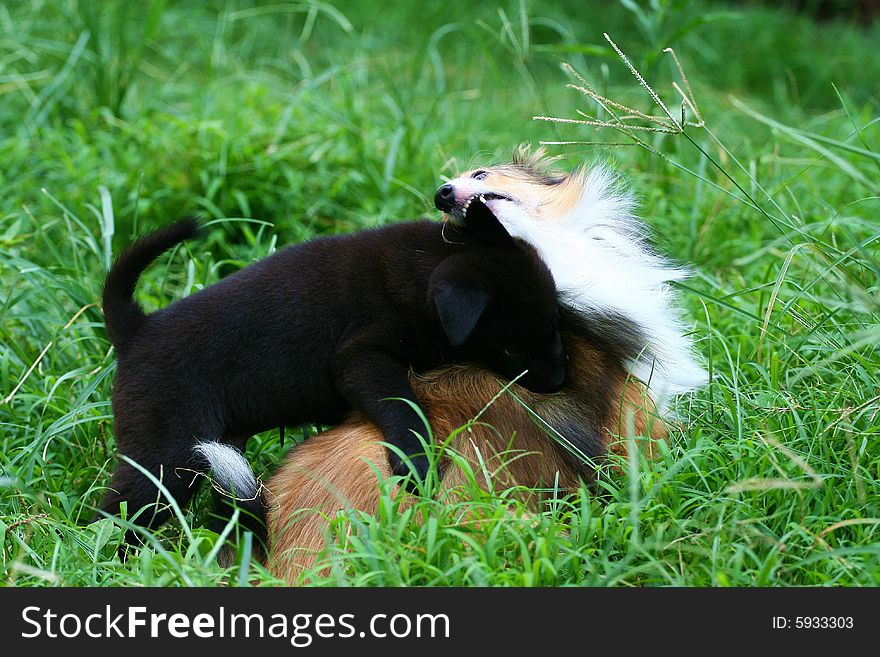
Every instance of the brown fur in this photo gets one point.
(338, 469)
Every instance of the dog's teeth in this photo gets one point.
(482, 198)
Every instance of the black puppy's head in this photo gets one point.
(497, 305)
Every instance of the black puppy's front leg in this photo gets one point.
(374, 381)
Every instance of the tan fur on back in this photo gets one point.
(337, 470)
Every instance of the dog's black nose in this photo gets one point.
(444, 199)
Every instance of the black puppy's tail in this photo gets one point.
(238, 488)
(122, 314)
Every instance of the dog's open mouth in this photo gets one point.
(475, 214)
(477, 204)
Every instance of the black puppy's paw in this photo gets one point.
(415, 469)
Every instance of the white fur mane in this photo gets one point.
(602, 266)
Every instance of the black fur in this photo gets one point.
(612, 333)
(126, 316)
(314, 331)
(583, 442)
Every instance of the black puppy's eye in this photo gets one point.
(479, 175)
(512, 352)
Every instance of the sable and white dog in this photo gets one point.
(629, 355)
(583, 226)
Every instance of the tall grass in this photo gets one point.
(280, 122)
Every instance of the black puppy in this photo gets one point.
(316, 330)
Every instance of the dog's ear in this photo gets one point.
(460, 306)
(485, 226)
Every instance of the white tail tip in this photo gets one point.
(231, 470)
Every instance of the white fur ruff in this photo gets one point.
(231, 470)
(602, 265)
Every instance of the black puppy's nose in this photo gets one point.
(559, 380)
(444, 199)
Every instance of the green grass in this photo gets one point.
(280, 122)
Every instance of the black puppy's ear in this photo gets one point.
(460, 307)
(485, 226)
